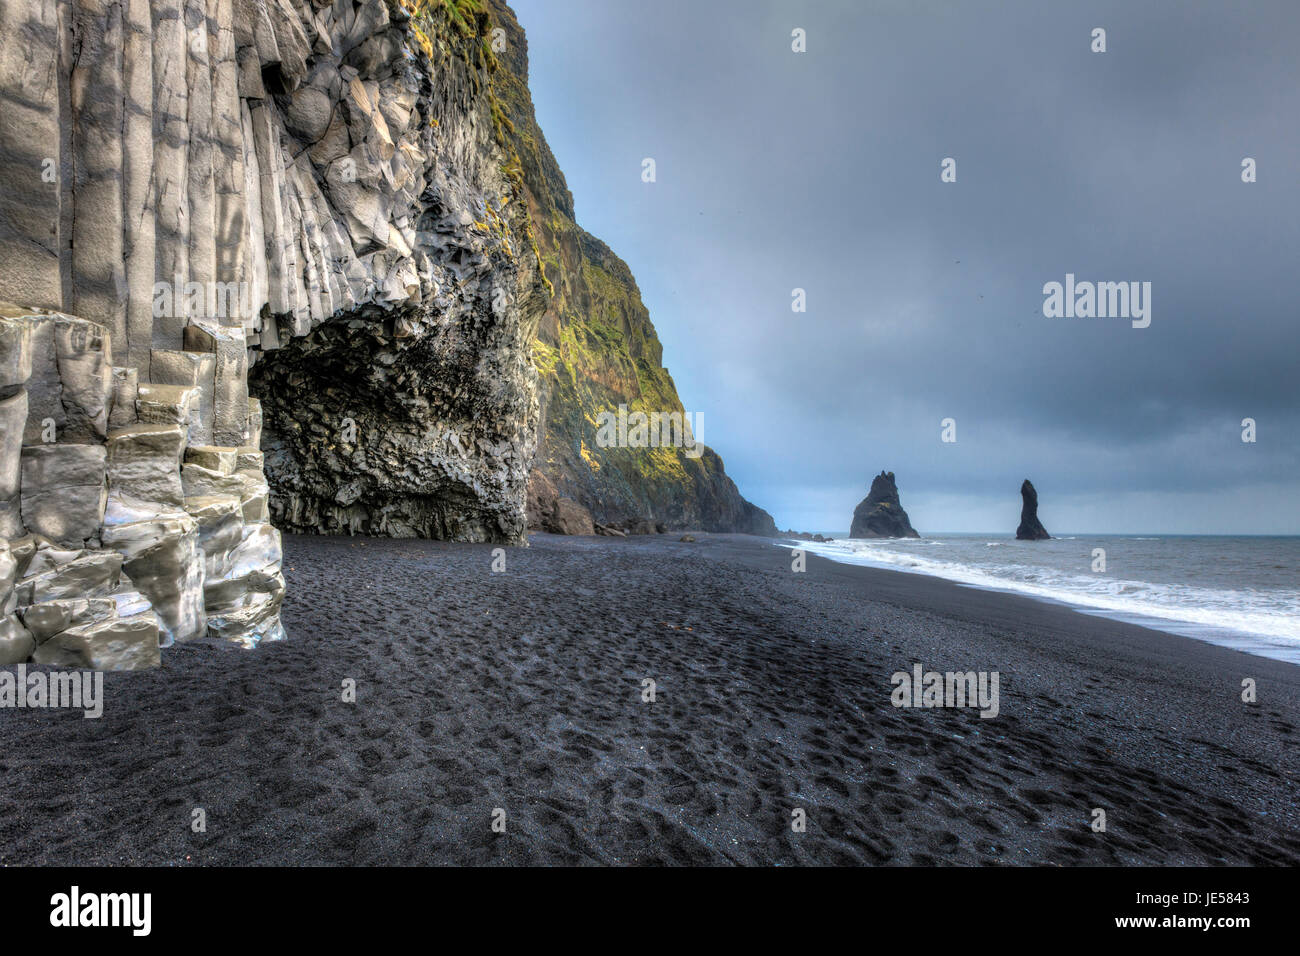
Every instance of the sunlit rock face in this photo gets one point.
(596, 349)
(231, 214)
(116, 535)
(406, 404)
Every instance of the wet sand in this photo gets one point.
(522, 690)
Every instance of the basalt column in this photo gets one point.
(310, 200)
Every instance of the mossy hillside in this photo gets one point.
(445, 28)
(590, 369)
(596, 347)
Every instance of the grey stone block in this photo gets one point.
(144, 473)
(15, 347)
(228, 345)
(163, 560)
(126, 386)
(13, 419)
(48, 618)
(193, 369)
(46, 418)
(172, 405)
(85, 366)
(63, 493)
(213, 457)
(16, 642)
(56, 574)
(120, 644)
(254, 423)
(221, 529)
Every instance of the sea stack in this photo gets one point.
(881, 515)
(1031, 529)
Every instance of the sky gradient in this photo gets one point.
(821, 171)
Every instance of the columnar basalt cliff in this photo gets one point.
(404, 401)
(317, 191)
(334, 220)
(881, 514)
(596, 349)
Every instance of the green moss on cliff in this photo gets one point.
(596, 347)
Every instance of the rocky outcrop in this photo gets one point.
(549, 511)
(313, 200)
(570, 517)
(108, 550)
(403, 402)
(1031, 529)
(275, 260)
(881, 514)
(596, 349)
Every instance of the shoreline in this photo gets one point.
(1254, 643)
(1083, 611)
(522, 690)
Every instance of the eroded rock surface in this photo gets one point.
(110, 554)
(881, 514)
(273, 259)
(549, 511)
(596, 349)
(1031, 529)
(404, 402)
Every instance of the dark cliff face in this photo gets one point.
(596, 349)
(881, 514)
(1031, 529)
(409, 408)
(386, 245)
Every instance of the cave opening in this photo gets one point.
(390, 424)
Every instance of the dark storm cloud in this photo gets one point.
(820, 170)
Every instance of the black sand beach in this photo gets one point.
(522, 690)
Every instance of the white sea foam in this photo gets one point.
(1226, 591)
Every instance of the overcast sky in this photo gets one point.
(821, 170)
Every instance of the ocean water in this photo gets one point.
(1241, 592)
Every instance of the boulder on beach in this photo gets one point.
(1031, 529)
(548, 510)
(880, 514)
(569, 517)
